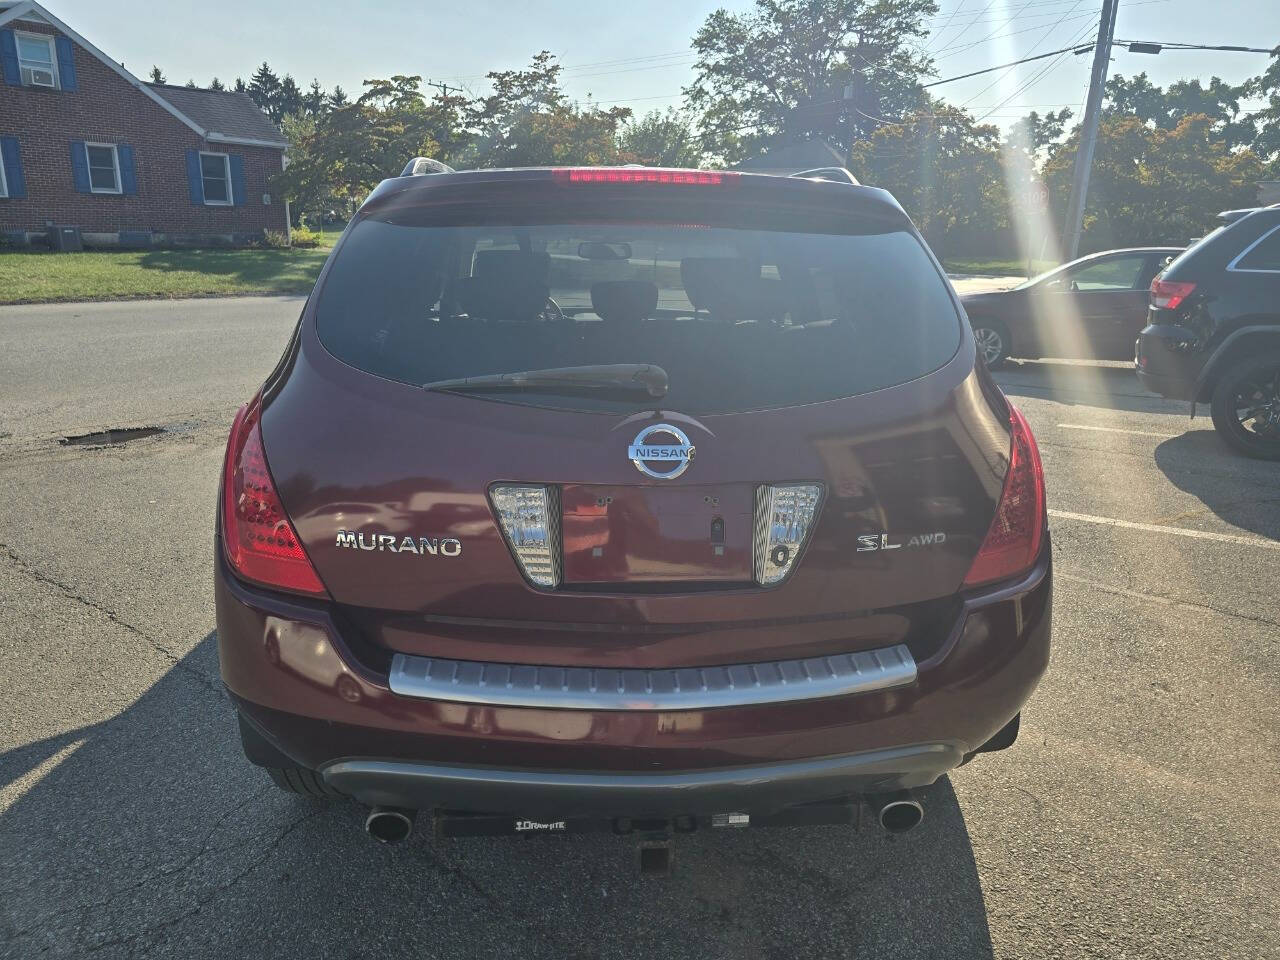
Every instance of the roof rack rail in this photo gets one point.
(834, 174)
(424, 166)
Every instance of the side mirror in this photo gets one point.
(600, 250)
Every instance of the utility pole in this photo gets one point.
(1074, 222)
(444, 88)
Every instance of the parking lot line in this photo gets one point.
(1140, 433)
(1157, 528)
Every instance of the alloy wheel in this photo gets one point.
(1257, 405)
(990, 344)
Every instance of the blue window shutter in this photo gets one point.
(128, 176)
(66, 63)
(12, 160)
(79, 166)
(237, 179)
(9, 55)
(194, 181)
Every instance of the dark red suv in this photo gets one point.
(629, 496)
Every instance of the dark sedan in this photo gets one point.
(1091, 308)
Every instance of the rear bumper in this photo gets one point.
(765, 787)
(296, 677)
(1167, 361)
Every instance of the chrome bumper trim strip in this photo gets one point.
(683, 688)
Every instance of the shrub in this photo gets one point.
(305, 237)
(274, 239)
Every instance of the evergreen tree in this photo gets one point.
(264, 89)
(314, 100)
(217, 84)
(156, 75)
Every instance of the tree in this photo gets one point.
(1152, 185)
(216, 84)
(1034, 133)
(314, 101)
(240, 87)
(346, 151)
(1267, 87)
(660, 139)
(264, 89)
(288, 100)
(191, 84)
(338, 98)
(790, 69)
(944, 168)
(1219, 101)
(528, 121)
(156, 75)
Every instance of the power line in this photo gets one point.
(1012, 63)
(1273, 51)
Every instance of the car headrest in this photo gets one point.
(624, 301)
(512, 264)
(505, 285)
(720, 285)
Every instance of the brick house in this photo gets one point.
(85, 143)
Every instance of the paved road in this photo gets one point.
(1137, 816)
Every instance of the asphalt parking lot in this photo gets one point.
(1137, 816)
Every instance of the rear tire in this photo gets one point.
(1246, 406)
(992, 340)
(297, 780)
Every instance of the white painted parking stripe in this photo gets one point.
(1157, 528)
(1140, 433)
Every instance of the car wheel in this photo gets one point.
(992, 339)
(308, 783)
(1246, 406)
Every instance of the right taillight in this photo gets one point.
(260, 542)
(1167, 295)
(1013, 541)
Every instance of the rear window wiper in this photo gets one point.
(647, 378)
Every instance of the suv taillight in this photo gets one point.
(1013, 541)
(1166, 295)
(260, 542)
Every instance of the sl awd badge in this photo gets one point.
(422, 546)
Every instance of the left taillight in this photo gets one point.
(259, 541)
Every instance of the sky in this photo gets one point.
(639, 54)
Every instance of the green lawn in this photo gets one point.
(995, 267)
(128, 274)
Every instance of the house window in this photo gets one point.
(36, 60)
(104, 167)
(4, 185)
(215, 172)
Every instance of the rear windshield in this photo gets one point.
(740, 319)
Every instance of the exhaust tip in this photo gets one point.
(898, 812)
(389, 824)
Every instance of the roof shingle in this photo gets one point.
(221, 111)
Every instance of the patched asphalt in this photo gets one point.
(1137, 816)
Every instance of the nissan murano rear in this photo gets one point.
(629, 498)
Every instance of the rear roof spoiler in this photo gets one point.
(834, 174)
(424, 166)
